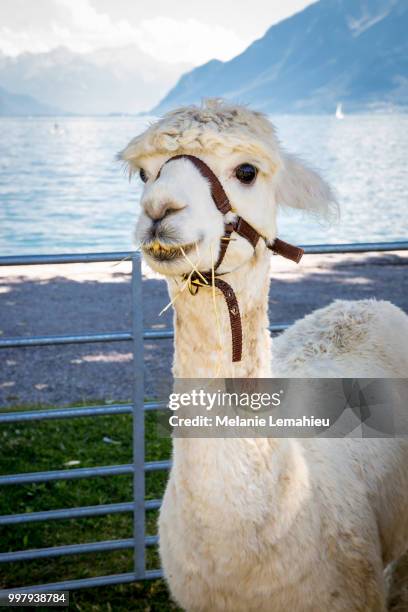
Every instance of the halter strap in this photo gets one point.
(242, 228)
(218, 194)
(289, 251)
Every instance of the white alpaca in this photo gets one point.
(265, 524)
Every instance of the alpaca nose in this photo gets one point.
(158, 212)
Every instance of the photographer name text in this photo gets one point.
(253, 421)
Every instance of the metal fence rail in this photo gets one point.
(139, 505)
(136, 469)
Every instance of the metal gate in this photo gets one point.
(138, 467)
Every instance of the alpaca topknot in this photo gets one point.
(216, 126)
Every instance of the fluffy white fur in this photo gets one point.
(267, 524)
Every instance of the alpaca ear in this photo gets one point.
(300, 187)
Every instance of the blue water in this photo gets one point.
(61, 190)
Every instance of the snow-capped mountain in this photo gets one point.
(349, 51)
(104, 81)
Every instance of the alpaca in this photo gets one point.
(265, 524)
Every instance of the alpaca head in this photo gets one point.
(177, 211)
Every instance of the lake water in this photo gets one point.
(61, 190)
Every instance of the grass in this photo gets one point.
(91, 441)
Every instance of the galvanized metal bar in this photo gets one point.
(70, 549)
(168, 334)
(27, 341)
(165, 334)
(138, 421)
(153, 574)
(64, 413)
(75, 513)
(155, 466)
(73, 585)
(83, 583)
(279, 327)
(152, 406)
(66, 513)
(311, 249)
(63, 258)
(74, 549)
(26, 260)
(109, 470)
(74, 412)
(158, 334)
(357, 247)
(153, 504)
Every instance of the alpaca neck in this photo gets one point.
(203, 465)
(202, 326)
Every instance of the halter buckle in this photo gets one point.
(194, 285)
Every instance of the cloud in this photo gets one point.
(90, 29)
(13, 43)
(190, 40)
(79, 26)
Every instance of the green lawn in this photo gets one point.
(51, 445)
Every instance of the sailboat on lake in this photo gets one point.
(339, 111)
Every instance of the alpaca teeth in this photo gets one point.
(157, 247)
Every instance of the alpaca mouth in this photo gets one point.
(167, 252)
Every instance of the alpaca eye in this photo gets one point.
(143, 175)
(246, 173)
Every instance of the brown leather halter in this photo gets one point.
(242, 228)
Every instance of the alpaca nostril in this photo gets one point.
(156, 228)
(169, 211)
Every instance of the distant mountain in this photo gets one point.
(104, 81)
(17, 104)
(350, 51)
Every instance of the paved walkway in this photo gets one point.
(44, 300)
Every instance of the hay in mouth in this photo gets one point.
(166, 252)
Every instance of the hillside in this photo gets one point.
(350, 51)
(104, 81)
(19, 104)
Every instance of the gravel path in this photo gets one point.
(44, 300)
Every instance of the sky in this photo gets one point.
(171, 31)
